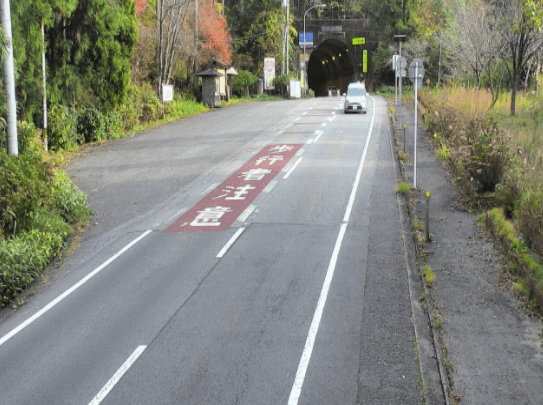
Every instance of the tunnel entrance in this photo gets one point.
(330, 65)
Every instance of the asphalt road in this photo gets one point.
(302, 300)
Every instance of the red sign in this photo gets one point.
(222, 206)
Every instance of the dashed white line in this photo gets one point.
(117, 376)
(279, 133)
(71, 290)
(318, 132)
(245, 214)
(304, 113)
(212, 187)
(286, 176)
(270, 186)
(230, 242)
(309, 141)
(178, 213)
(300, 152)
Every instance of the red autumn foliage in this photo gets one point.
(215, 30)
(141, 5)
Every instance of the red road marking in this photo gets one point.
(223, 205)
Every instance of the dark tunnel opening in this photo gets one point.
(330, 65)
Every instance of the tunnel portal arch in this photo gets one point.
(330, 65)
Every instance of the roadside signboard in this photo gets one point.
(222, 82)
(295, 89)
(416, 68)
(359, 41)
(307, 40)
(167, 93)
(365, 61)
(269, 73)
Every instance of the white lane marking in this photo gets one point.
(297, 118)
(230, 242)
(333, 113)
(286, 176)
(231, 170)
(270, 186)
(315, 323)
(178, 213)
(359, 171)
(117, 376)
(309, 141)
(245, 214)
(304, 113)
(331, 118)
(289, 125)
(318, 132)
(323, 124)
(265, 143)
(71, 290)
(300, 152)
(212, 187)
(279, 133)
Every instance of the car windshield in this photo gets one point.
(356, 91)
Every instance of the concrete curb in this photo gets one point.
(434, 378)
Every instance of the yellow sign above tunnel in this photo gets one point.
(359, 41)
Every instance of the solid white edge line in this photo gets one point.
(359, 171)
(315, 323)
(230, 242)
(71, 290)
(117, 376)
(292, 168)
(314, 328)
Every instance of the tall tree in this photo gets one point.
(522, 36)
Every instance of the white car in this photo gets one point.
(355, 98)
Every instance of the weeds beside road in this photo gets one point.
(497, 161)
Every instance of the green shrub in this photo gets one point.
(529, 217)
(69, 201)
(92, 125)
(131, 109)
(25, 186)
(242, 80)
(23, 258)
(62, 128)
(114, 124)
(28, 137)
(151, 105)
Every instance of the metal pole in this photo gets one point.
(415, 135)
(9, 81)
(303, 58)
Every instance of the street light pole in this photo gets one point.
(307, 11)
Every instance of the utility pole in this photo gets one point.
(9, 81)
(287, 30)
(44, 86)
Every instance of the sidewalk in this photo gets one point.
(494, 350)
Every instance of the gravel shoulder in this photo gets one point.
(493, 345)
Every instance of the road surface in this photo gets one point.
(250, 255)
